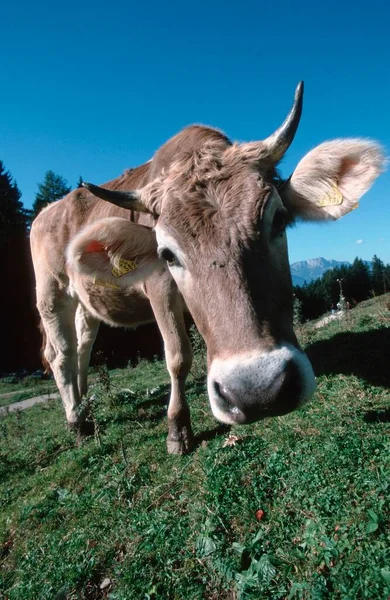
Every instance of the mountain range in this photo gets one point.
(313, 268)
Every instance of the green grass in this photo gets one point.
(14, 388)
(119, 511)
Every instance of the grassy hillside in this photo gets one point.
(293, 507)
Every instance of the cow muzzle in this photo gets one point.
(249, 387)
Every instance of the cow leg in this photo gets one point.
(57, 310)
(87, 328)
(168, 311)
(61, 354)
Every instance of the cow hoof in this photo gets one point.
(177, 447)
(180, 438)
(83, 430)
(183, 446)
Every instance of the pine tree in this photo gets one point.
(315, 298)
(53, 188)
(378, 275)
(386, 279)
(358, 281)
(12, 216)
(297, 312)
(331, 281)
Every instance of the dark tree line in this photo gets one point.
(19, 336)
(355, 282)
(20, 339)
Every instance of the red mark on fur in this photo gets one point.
(94, 246)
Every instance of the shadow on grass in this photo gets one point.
(210, 434)
(161, 397)
(365, 355)
(154, 408)
(377, 416)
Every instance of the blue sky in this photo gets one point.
(91, 88)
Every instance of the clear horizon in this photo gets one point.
(90, 90)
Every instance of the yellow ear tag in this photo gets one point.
(106, 284)
(333, 198)
(125, 266)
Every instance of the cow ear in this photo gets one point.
(329, 181)
(114, 251)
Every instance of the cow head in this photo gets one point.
(221, 213)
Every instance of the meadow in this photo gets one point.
(294, 507)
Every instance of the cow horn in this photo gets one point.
(279, 142)
(130, 200)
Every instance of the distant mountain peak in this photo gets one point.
(306, 271)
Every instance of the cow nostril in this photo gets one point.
(225, 396)
(291, 386)
(217, 388)
(227, 404)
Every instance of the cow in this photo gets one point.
(199, 228)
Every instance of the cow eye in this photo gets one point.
(168, 256)
(279, 223)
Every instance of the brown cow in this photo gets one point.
(200, 227)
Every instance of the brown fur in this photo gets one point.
(215, 202)
(198, 175)
(44, 361)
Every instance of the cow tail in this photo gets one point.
(45, 362)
